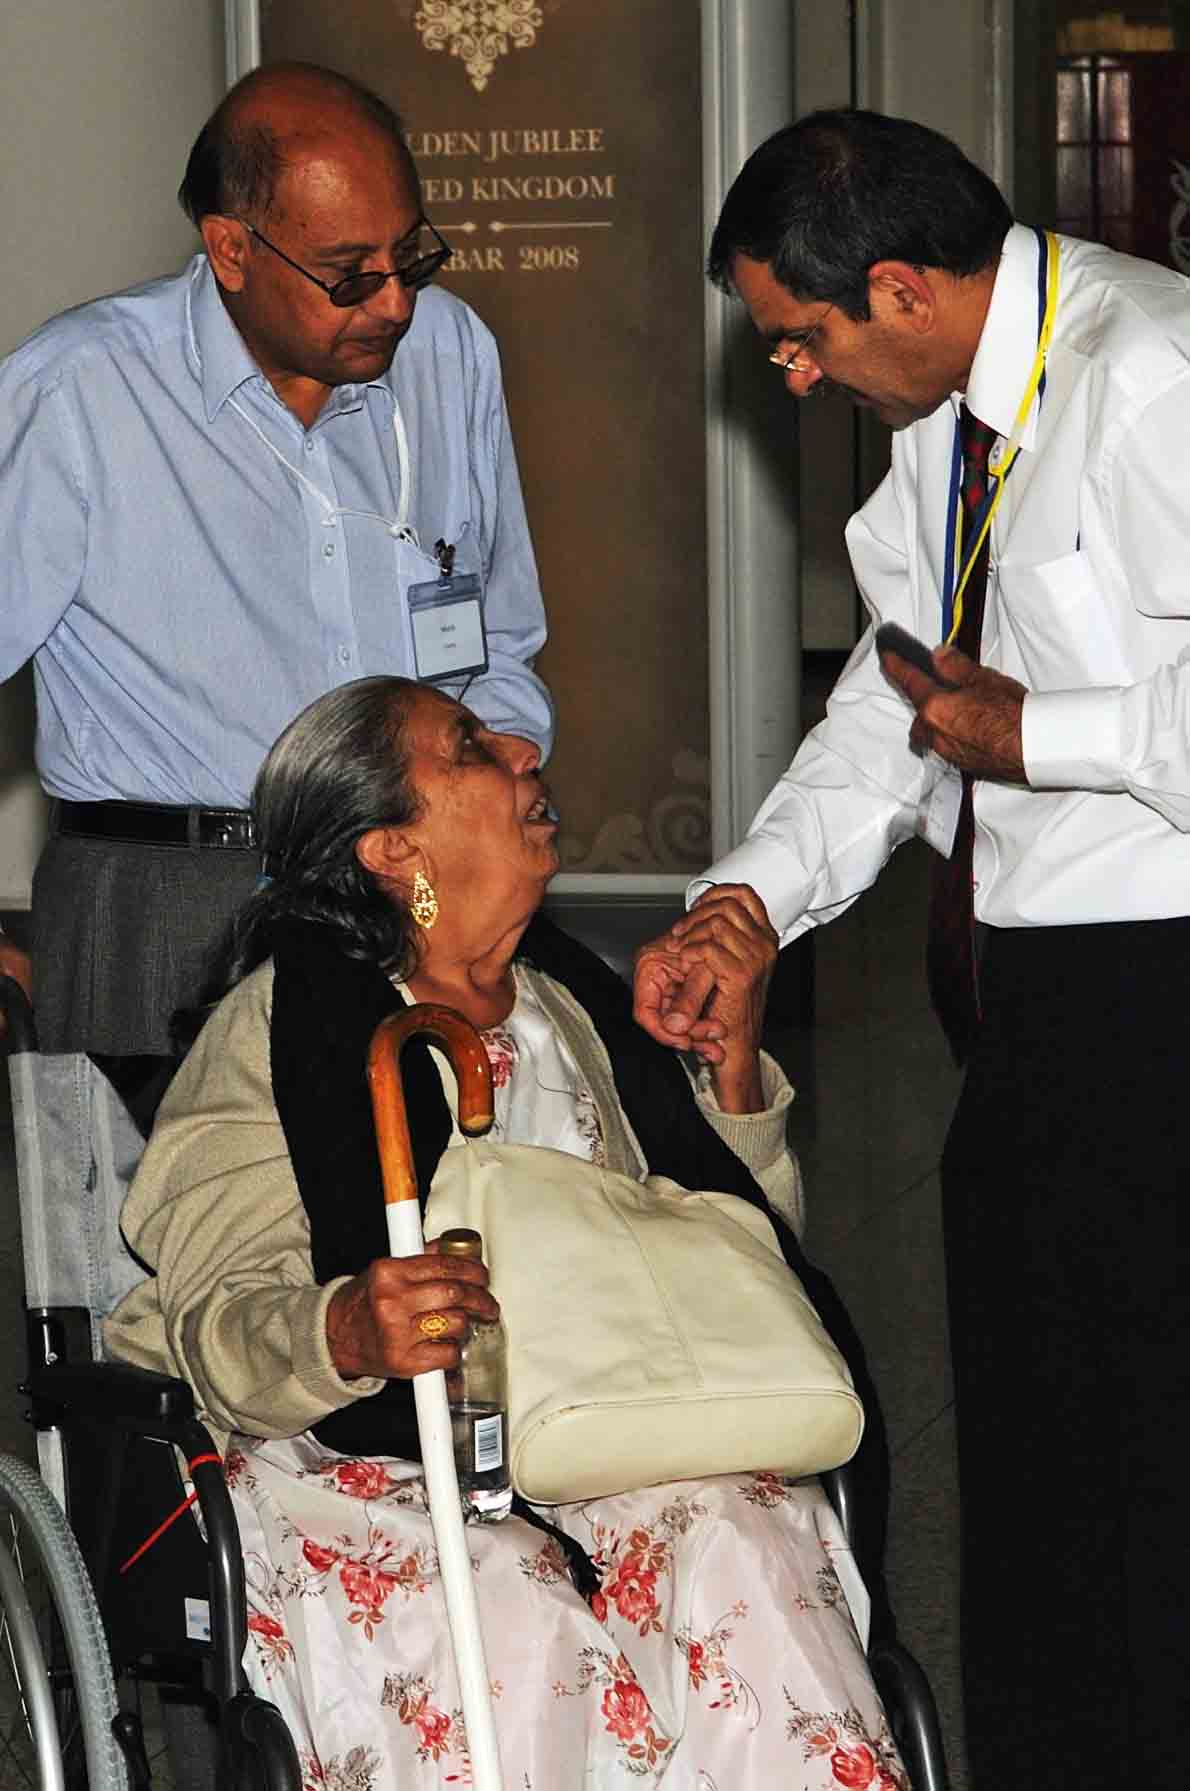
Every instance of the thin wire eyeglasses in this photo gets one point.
(789, 361)
(356, 289)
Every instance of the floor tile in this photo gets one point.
(889, 1274)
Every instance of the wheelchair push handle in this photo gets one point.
(469, 1061)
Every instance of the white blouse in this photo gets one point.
(540, 1096)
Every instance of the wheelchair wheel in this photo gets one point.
(53, 1629)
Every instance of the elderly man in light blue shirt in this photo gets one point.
(222, 494)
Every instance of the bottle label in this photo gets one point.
(489, 1452)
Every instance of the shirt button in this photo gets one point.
(309, 444)
(328, 552)
(345, 655)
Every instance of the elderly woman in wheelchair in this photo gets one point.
(407, 851)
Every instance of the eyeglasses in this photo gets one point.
(788, 361)
(416, 269)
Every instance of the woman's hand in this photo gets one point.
(372, 1320)
(726, 946)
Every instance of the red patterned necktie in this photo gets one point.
(951, 969)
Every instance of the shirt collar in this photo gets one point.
(219, 355)
(1008, 341)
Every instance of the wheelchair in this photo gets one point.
(127, 1590)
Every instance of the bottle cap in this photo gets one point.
(461, 1242)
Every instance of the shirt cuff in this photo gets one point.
(757, 1139)
(765, 865)
(313, 1367)
(1073, 739)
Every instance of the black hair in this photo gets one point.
(821, 201)
(233, 168)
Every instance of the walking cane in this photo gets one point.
(461, 1043)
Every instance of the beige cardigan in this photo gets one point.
(215, 1210)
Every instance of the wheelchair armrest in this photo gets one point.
(120, 1393)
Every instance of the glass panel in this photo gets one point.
(1115, 105)
(1074, 189)
(1074, 104)
(1115, 181)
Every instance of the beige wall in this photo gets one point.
(100, 100)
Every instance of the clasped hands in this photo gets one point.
(701, 987)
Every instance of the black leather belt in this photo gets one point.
(156, 824)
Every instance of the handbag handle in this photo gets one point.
(464, 1048)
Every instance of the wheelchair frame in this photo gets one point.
(176, 1614)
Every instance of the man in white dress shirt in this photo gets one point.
(876, 260)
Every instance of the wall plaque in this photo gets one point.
(560, 148)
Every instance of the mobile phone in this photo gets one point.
(892, 638)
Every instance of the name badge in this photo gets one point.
(448, 633)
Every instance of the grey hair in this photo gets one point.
(338, 771)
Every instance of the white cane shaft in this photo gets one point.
(446, 1515)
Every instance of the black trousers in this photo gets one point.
(1064, 1176)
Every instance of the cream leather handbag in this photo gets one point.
(654, 1334)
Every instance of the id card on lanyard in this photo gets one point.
(446, 614)
(939, 813)
(955, 576)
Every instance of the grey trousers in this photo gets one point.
(123, 935)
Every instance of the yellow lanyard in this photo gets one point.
(1005, 460)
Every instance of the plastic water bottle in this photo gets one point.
(478, 1393)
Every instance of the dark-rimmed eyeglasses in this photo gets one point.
(416, 266)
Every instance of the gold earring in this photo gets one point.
(424, 905)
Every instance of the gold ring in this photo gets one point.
(433, 1324)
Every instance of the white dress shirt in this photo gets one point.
(1088, 605)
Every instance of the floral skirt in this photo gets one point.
(721, 1653)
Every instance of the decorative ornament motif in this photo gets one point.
(675, 835)
(424, 905)
(433, 1324)
(478, 31)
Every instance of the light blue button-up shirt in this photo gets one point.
(183, 592)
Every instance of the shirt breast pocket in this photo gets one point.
(1066, 630)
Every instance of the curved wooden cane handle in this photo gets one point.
(469, 1061)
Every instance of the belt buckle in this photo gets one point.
(219, 827)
